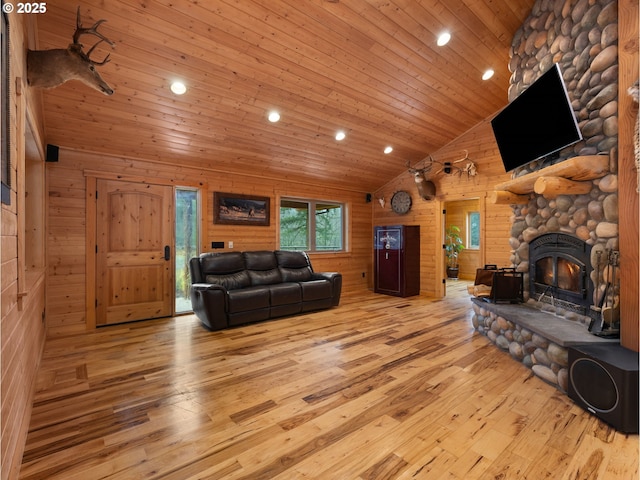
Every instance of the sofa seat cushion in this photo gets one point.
(315, 290)
(295, 274)
(285, 293)
(245, 299)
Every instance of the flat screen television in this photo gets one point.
(538, 123)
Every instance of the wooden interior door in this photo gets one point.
(134, 238)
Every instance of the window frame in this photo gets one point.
(312, 204)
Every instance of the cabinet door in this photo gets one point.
(388, 260)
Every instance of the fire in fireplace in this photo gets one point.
(559, 272)
(568, 273)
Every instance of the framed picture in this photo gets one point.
(235, 209)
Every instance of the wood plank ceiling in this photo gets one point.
(368, 67)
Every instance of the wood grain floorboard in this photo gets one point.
(378, 388)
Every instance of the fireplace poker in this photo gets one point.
(600, 307)
(608, 313)
(598, 255)
(597, 305)
(605, 294)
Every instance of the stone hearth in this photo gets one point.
(537, 339)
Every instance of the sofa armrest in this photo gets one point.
(335, 278)
(209, 303)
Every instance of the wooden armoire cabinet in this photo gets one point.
(397, 260)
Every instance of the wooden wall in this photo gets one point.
(480, 144)
(22, 286)
(70, 276)
(629, 214)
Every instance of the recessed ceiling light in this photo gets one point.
(340, 135)
(444, 38)
(388, 149)
(274, 116)
(488, 74)
(178, 88)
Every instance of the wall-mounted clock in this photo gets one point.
(401, 202)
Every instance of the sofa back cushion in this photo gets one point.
(294, 266)
(262, 267)
(226, 269)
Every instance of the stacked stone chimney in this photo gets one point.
(581, 36)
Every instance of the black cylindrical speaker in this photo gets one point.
(603, 379)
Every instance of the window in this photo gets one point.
(186, 244)
(473, 230)
(311, 225)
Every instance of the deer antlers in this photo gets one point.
(449, 167)
(426, 169)
(93, 30)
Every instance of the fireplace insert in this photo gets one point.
(559, 272)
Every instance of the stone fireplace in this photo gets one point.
(561, 245)
(572, 231)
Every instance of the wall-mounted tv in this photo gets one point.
(538, 123)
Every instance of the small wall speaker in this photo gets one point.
(603, 379)
(52, 153)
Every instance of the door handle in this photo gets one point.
(167, 252)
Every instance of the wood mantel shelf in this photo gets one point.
(566, 177)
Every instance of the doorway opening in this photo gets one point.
(464, 217)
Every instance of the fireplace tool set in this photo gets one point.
(608, 306)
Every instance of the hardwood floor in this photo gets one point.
(378, 388)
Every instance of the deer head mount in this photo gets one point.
(50, 68)
(426, 188)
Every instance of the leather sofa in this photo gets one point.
(235, 288)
